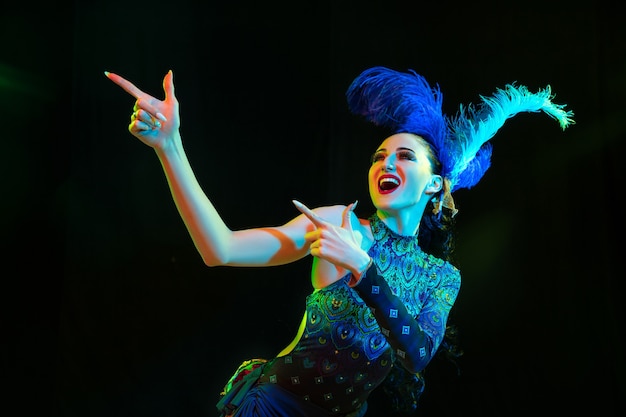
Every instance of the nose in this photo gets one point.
(388, 164)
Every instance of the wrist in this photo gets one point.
(360, 272)
(172, 146)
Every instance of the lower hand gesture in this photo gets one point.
(339, 245)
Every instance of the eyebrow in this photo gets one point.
(397, 149)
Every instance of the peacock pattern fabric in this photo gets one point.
(344, 353)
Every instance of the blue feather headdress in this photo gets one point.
(405, 102)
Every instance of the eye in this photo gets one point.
(377, 157)
(408, 155)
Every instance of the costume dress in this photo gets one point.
(395, 316)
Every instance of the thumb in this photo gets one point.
(347, 213)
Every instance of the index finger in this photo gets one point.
(315, 219)
(129, 87)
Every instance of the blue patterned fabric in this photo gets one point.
(343, 353)
(411, 294)
(247, 398)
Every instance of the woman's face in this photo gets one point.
(401, 175)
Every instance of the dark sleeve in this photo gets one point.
(415, 339)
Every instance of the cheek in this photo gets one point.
(370, 178)
(418, 180)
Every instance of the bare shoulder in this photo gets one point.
(364, 229)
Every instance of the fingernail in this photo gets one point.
(157, 123)
(160, 116)
(296, 203)
(354, 204)
(106, 73)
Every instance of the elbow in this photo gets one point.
(210, 262)
(413, 364)
(212, 258)
(214, 252)
(416, 358)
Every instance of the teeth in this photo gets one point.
(391, 180)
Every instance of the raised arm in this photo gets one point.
(156, 123)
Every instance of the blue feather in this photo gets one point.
(400, 102)
(405, 102)
(472, 128)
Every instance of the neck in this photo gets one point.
(403, 222)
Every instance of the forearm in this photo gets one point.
(412, 345)
(208, 231)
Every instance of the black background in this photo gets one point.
(107, 307)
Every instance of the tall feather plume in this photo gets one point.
(400, 102)
(469, 152)
(405, 102)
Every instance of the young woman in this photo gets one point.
(383, 286)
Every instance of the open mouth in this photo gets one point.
(388, 183)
